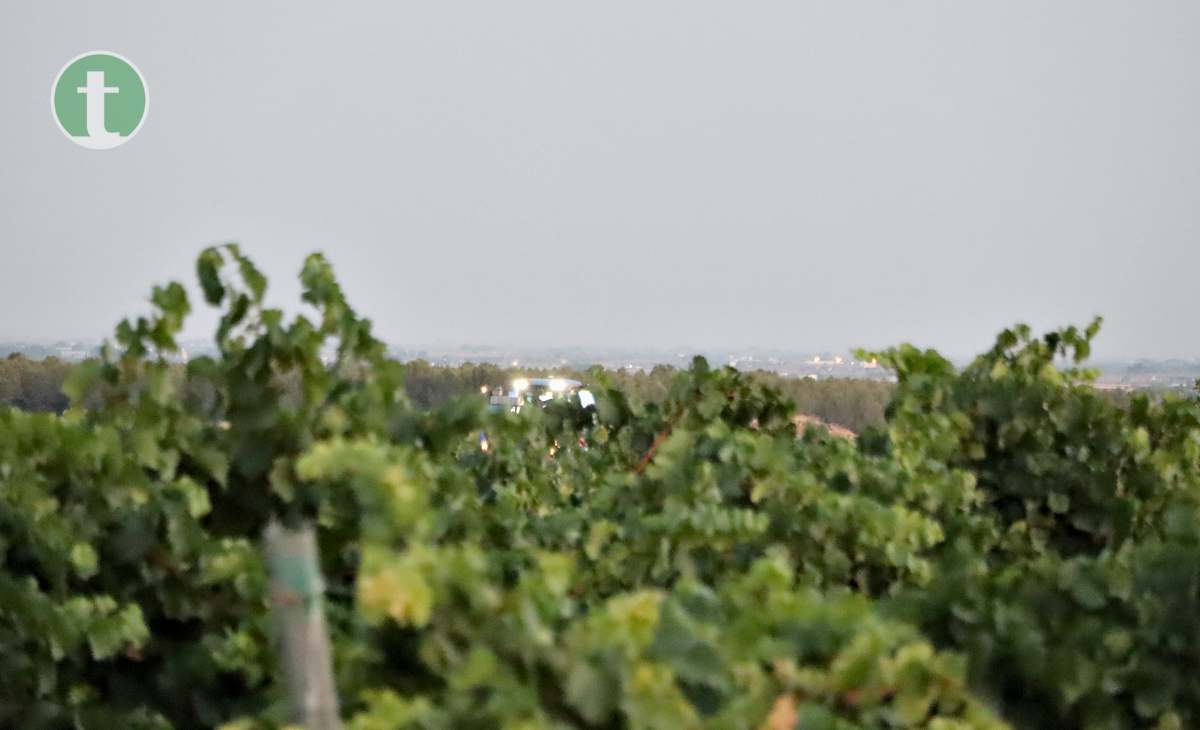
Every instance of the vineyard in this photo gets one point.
(1011, 549)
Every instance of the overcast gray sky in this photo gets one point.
(793, 174)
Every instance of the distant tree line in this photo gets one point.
(36, 385)
(855, 404)
(33, 385)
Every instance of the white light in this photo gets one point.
(558, 385)
(520, 384)
(483, 389)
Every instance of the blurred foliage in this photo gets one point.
(1007, 548)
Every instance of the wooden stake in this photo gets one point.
(296, 603)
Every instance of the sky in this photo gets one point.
(798, 175)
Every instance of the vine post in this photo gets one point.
(296, 591)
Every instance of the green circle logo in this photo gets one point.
(99, 100)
